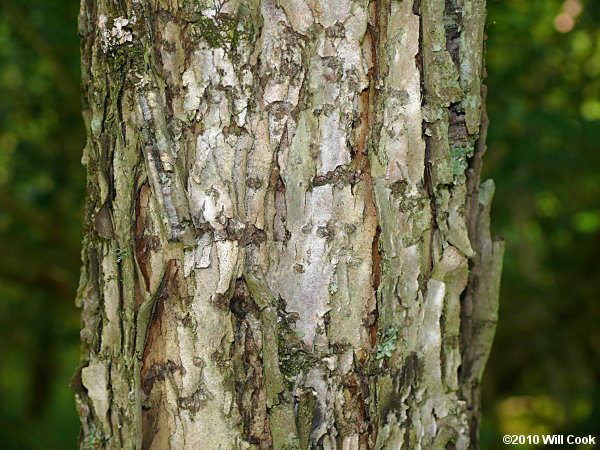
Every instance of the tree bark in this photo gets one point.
(286, 241)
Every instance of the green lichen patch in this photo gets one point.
(283, 428)
(306, 408)
(216, 32)
(224, 30)
(122, 253)
(294, 356)
(458, 159)
(333, 288)
(387, 344)
(92, 440)
(260, 292)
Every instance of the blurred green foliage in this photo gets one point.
(41, 196)
(544, 153)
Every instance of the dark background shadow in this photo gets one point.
(544, 154)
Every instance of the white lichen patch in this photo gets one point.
(119, 34)
(95, 378)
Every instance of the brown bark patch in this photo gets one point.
(248, 370)
(155, 365)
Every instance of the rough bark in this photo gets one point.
(286, 241)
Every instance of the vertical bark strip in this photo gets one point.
(286, 241)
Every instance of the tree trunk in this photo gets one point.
(286, 242)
